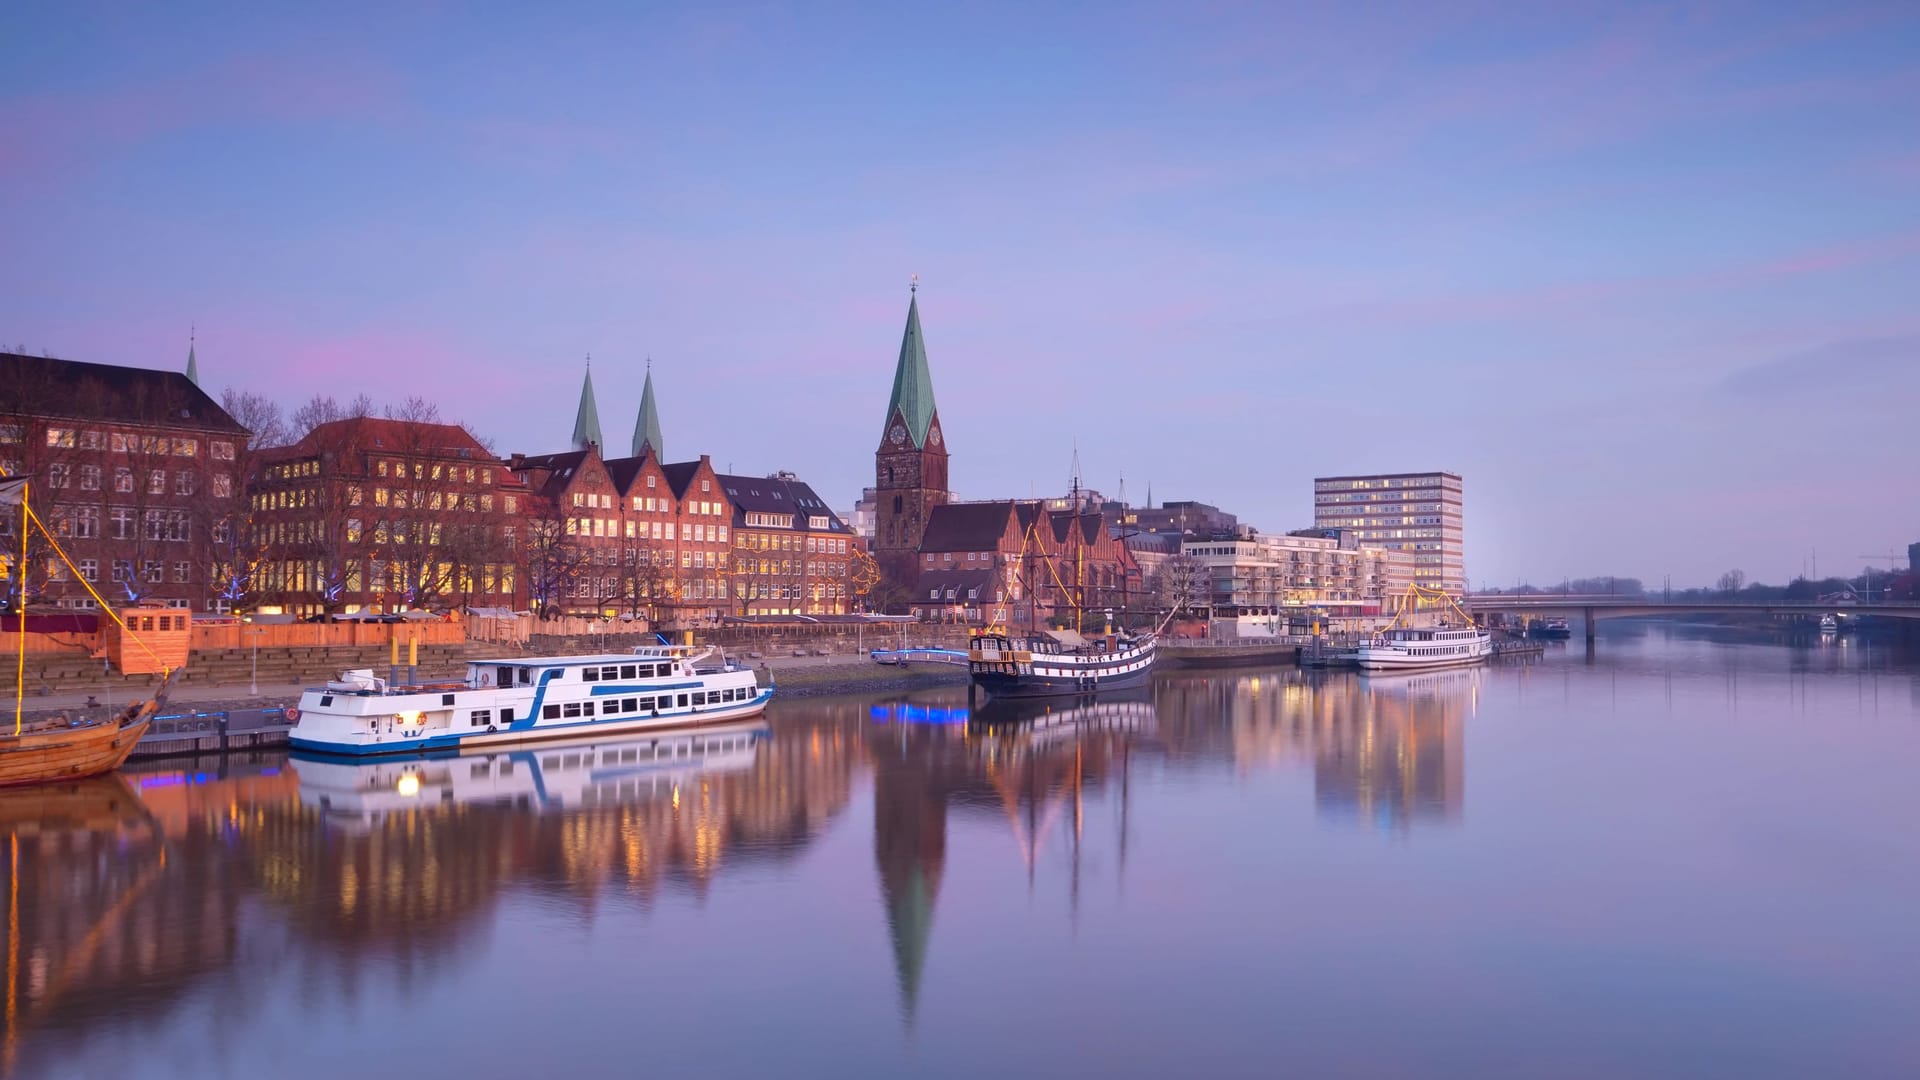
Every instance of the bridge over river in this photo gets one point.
(1590, 608)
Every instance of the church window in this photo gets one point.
(896, 503)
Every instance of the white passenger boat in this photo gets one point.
(1414, 648)
(522, 699)
(587, 771)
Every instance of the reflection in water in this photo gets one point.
(144, 879)
(127, 898)
(223, 896)
(1387, 749)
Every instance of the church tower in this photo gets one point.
(910, 467)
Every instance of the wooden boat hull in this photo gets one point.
(68, 753)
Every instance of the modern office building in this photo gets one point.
(1419, 513)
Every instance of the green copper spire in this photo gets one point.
(193, 365)
(646, 430)
(912, 382)
(586, 424)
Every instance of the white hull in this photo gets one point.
(1400, 663)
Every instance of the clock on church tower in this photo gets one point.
(910, 466)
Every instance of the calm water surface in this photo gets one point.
(1690, 856)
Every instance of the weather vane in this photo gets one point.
(913, 283)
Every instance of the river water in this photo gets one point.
(1693, 853)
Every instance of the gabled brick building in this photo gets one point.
(1017, 561)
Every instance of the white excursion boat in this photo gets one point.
(1415, 648)
(521, 699)
(563, 774)
(1411, 648)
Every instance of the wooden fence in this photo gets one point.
(518, 629)
(324, 635)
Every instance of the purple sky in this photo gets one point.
(1650, 281)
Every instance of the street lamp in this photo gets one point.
(253, 680)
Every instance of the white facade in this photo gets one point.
(1265, 573)
(1418, 513)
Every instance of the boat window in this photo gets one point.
(662, 670)
(630, 704)
(480, 717)
(590, 674)
(550, 763)
(557, 673)
(627, 671)
(504, 677)
(571, 708)
(506, 716)
(571, 761)
(481, 770)
(683, 701)
(446, 699)
(526, 676)
(586, 708)
(699, 699)
(551, 712)
(326, 699)
(608, 674)
(610, 706)
(506, 768)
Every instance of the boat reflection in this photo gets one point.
(588, 772)
(225, 873)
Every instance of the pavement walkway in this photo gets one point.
(816, 672)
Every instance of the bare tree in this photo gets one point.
(1732, 581)
(323, 409)
(552, 556)
(1182, 581)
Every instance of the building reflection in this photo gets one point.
(125, 891)
(1021, 768)
(1385, 749)
(221, 877)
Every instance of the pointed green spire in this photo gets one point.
(193, 365)
(646, 430)
(586, 424)
(912, 382)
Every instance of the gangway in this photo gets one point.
(903, 657)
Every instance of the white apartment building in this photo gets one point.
(1418, 513)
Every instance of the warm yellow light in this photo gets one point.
(409, 786)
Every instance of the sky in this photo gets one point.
(1648, 277)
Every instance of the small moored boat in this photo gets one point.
(67, 749)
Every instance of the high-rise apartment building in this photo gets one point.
(1413, 512)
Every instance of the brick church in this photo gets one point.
(999, 561)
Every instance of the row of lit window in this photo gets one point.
(152, 571)
(60, 475)
(120, 442)
(83, 523)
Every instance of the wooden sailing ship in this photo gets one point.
(68, 749)
(65, 747)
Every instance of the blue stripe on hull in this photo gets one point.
(517, 734)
